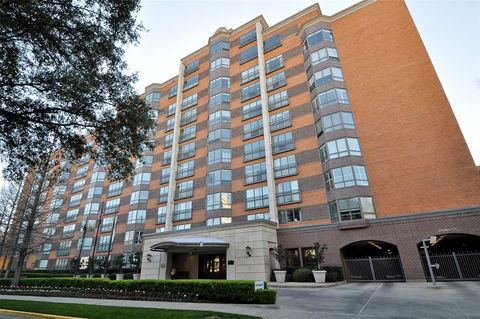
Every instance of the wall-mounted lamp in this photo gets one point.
(248, 250)
(149, 258)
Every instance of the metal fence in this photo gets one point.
(454, 266)
(388, 268)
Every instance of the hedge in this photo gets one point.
(224, 291)
(303, 275)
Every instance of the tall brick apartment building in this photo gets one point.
(319, 128)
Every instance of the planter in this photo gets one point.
(319, 275)
(136, 276)
(102, 276)
(280, 275)
(119, 276)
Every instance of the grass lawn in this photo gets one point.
(105, 312)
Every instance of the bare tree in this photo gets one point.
(8, 201)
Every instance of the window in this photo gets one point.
(219, 99)
(49, 231)
(256, 197)
(272, 43)
(160, 230)
(167, 157)
(220, 63)
(259, 216)
(184, 190)
(141, 179)
(84, 159)
(170, 125)
(221, 155)
(335, 121)
(192, 66)
(285, 166)
(219, 201)
(41, 264)
(59, 190)
(219, 135)
(64, 248)
(251, 110)
(78, 186)
(182, 227)
(75, 200)
(253, 150)
(190, 83)
(153, 114)
(139, 197)
(61, 263)
(91, 208)
(219, 177)
(248, 54)
(283, 142)
(330, 97)
(288, 192)
(152, 96)
(251, 91)
(136, 216)
(133, 237)
(248, 37)
(250, 74)
(71, 215)
(188, 133)
(219, 46)
(316, 37)
(218, 221)
(351, 209)
(182, 211)
(171, 109)
(87, 243)
(46, 248)
(63, 177)
(323, 55)
(276, 81)
(104, 243)
(185, 169)
(252, 129)
(325, 76)
(81, 171)
(280, 120)
(218, 117)
(220, 82)
(115, 189)
(274, 64)
(255, 173)
(186, 151)
(173, 91)
(162, 214)
(345, 177)
(68, 231)
(188, 117)
(53, 218)
(290, 215)
(165, 175)
(189, 101)
(145, 161)
(107, 224)
(163, 195)
(55, 203)
(90, 224)
(339, 148)
(112, 206)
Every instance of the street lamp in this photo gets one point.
(432, 240)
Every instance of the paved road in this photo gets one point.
(455, 300)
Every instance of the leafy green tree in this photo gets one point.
(63, 77)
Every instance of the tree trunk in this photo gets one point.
(19, 267)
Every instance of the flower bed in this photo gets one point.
(224, 291)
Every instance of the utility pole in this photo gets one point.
(425, 243)
(80, 251)
(90, 265)
(110, 244)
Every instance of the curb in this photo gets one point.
(33, 315)
(304, 285)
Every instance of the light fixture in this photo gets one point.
(248, 250)
(149, 258)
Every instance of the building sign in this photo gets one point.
(259, 285)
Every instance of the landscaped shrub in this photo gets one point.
(303, 275)
(334, 273)
(229, 291)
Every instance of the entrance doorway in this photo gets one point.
(212, 266)
(372, 260)
(458, 257)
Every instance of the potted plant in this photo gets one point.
(101, 263)
(118, 263)
(319, 255)
(135, 261)
(280, 254)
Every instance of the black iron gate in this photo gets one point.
(387, 268)
(454, 266)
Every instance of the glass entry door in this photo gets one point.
(212, 266)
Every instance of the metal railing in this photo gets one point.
(454, 266)
(384, 268)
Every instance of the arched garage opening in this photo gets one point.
(457, 256)
(372, 260)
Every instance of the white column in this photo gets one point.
(272, 196)
(173, 162)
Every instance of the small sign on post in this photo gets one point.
(259, 285)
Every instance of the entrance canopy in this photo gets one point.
(190, 244)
